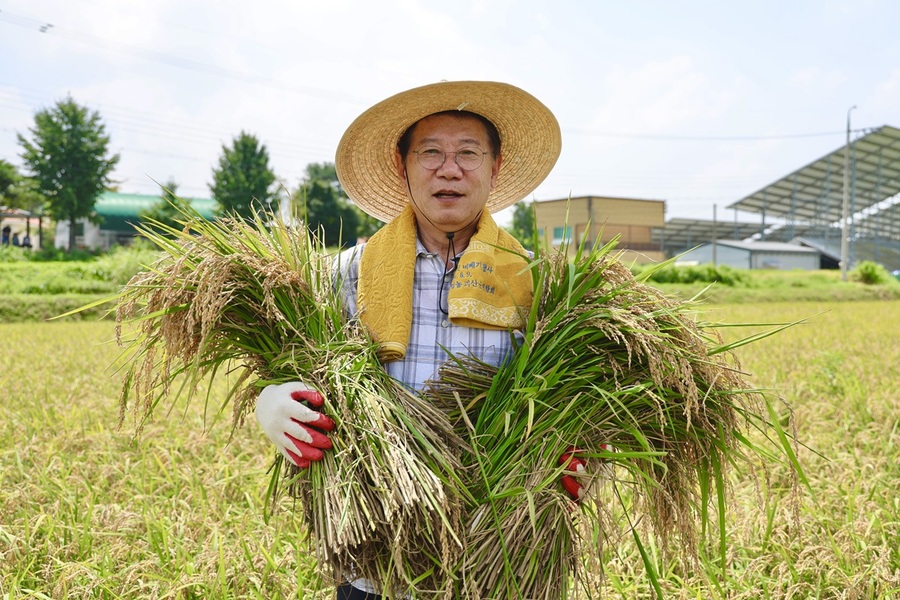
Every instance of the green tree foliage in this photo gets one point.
(522, 226)
(322, 203)
(327, 213)
(18, 191)
(9, 177)
(368, 224)
(69, 160)
(324, 172)
(243, 181)
(170, 208)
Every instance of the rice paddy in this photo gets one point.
(87, 512)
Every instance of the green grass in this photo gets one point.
(31, 283)
(85, 512)
(764, 286)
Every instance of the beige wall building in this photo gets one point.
(589, 217)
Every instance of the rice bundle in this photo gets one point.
(606, 361)
(455, 493)
(230, 294)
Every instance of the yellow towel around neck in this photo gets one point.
(491, 288)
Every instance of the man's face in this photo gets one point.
(449, 197)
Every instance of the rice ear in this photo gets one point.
(454, 493)
(606, 360)
(257, 298)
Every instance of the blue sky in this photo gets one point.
(695, 103)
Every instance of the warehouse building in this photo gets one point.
(117, 214)
(809, 204)
(754, 255)
(587, 219)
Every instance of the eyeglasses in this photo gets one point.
(433, 158)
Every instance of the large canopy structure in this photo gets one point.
(681, 235)
(811, 198)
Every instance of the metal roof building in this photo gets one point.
(809, 201)
(118, 214)
(754, 255)
(120, 211)
(680, 235)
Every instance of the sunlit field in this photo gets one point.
(86, 511)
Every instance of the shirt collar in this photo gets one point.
(420, 247)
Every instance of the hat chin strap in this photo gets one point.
(449, 234)
(451, 248)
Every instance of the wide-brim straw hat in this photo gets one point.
(530, 142)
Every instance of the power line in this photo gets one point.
(42, 26)
(201, 67)
(704, 138)
(185, 132)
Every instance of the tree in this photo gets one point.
(324, 204)
(69, 161)
(9, 177)
(24, 194)
(368, 224)
(324, 172)
(522, 227)
(327, 213)
(18, 191)
(170, 209)
(242, 183)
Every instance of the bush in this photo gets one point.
(51, 254)
(104, 274)
(870, 273)
(706, 273)
(11, 254)
(122, 263)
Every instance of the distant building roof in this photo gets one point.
(814, 193)
(830, 248)
(596, 197)
(121, 211)
(684, 233)
(766, 246)
(14, 213)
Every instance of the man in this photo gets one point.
(441, 277)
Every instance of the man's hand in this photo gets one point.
(575, 464)
(285, 415)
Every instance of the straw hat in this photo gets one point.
(529, 136)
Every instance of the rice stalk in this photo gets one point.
(605, 360)
(258, 297)
(456, 493)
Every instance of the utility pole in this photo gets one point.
(845, 212)
(715, 235)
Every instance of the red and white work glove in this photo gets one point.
(284, 413)
(575, 464)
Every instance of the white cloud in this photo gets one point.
(658, 97)
(175, 79)
(881, 105)
(817, 80)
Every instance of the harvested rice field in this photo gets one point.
(88, 512)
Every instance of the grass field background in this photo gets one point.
(86, 511)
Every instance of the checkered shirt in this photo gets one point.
(432, 335)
